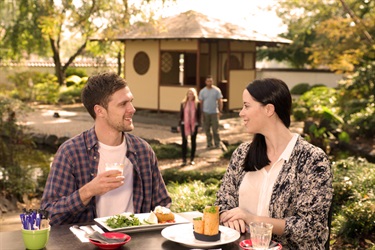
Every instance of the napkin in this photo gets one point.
(81, 233)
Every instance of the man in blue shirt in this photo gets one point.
(212, 106)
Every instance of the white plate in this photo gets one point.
(144, 226)
(183, 234)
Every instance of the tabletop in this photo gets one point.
(62, 238)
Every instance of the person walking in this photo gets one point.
(190, 117)
(79, 188)
(212, 105)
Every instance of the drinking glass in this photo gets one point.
(115, 166)
(260, 234)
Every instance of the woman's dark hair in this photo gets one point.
(267, 91)
(98, 90)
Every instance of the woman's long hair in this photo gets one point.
(267, 91)
(185, 99)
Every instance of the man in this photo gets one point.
(212, 106)
(78, 187)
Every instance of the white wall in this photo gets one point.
(5, 72)
(292, 78)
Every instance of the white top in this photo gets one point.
(118, 200)
(256, 187)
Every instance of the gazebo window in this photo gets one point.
(178, 68)
(141, 63)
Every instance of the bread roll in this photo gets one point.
(211, 220)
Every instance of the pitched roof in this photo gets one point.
(194, 25)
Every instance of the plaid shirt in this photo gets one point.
(76, 163)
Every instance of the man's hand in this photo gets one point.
(101, 184)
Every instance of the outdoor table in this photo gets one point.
(62, 238)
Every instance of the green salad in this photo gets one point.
(120, 220)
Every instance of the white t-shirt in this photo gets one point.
(256, 187)
(118, 200)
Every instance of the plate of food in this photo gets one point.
(160, 218)
(184, 235)
(204, 232)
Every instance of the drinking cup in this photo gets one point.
(35, 239)
(260, 234)
(115, 166)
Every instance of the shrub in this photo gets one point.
(176, 176)
(76, 72)
(362, 123)
(20, 161)
(300, 89)
(47, 92)
(26, 81)
(167, 151)
(194, 196)
(354, 198)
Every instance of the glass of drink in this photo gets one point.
(260, 234)
(115, 166)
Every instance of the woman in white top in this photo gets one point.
(278, 177)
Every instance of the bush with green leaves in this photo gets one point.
(362, 123)
(25, 83)
(23, 169)
(75, 72)
(46, 92)
(300, 88)
(180, 177)
(354, 198)
(72, 92)
(167, 151)
(193, 196)
(321, 114)
(357, 95)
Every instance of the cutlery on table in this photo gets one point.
(90, 233)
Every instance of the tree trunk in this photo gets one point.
(119, 66)
(56, 59)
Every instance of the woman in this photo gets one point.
(278, 178)
(190, 117)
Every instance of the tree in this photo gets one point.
(334, 34)
(31, 26)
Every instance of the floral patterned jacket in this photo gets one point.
(302, 194)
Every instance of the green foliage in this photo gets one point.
(357, 95)
(20, 162)
(300, 89)
(192, 190)
(44, 88)
(323, 34)
(75, 72)
(72, 93)
(6, 88)
(25, 83)
(362, 123)
(319, 104)
(354, 198)
(167, 151)
(176, 176)
(46, 92)
(193, 196)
